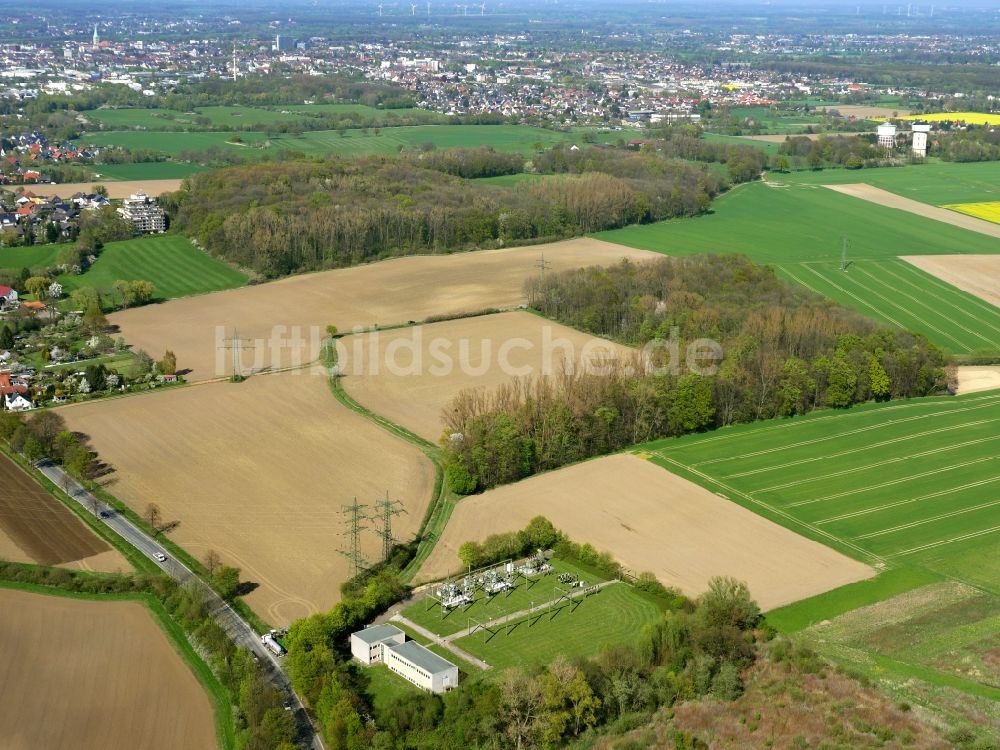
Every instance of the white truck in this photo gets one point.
(272, 644)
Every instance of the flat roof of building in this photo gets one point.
(421, 657)
(378, 633)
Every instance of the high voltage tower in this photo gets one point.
(355, 514)
(385, 510)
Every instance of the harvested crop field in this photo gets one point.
(390, 292)
(972, 379)
(116, 190)
(93, 675)
(258, 471)
(975, 274)
(866, 110)
(37, 528)
(891, 200)
(410, 375)
(650, 519)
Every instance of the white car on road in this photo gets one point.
(160, 556)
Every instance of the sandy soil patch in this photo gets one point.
(891, 200)
(391, 292)
(37, 528)
(972, 379)
(258, 471)
(420, 369)
(779, 138)
(94, 675)
(653, 520)
(116, 190)
(975, 274)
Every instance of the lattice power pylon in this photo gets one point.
(355, 515)
(386, 509)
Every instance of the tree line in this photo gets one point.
(785, 351)
(282, 218)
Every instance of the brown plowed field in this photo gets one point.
(90, 675)
(390, 292)
(975, 274)
(116, 190)
(650, 519)
(419, 370)
(259, 472)
(37, 528)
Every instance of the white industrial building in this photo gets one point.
(366, 645)
(411, 661)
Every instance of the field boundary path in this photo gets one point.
(882, 197)
(228, 619)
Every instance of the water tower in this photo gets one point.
(920, 133)
(887, 137)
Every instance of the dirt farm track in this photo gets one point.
(258, 471)
(650, 519)
(385, 293)
(88, 675)
(37, 528)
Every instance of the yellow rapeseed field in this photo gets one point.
(989, 210)
(970, 118)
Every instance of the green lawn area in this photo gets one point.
(175, 266)
(614, 615)
(36, 256)
(520, 138)
(936, 183)
(799, 230)
(528, 592)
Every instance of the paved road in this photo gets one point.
(237, 628)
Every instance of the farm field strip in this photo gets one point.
(874, 288)
(915, 497)
(958, 300)
(659, 522)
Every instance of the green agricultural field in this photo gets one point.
(36, 256)
(800, 230)
(154, 170)
(910, 484)
(237, 118)
(897, 293)
(175, 266)
(521, 138)
(612, 616)
(527, 594)
(910, 487)
(771, 149)
(937, 183)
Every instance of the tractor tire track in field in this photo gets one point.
(991, 400)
